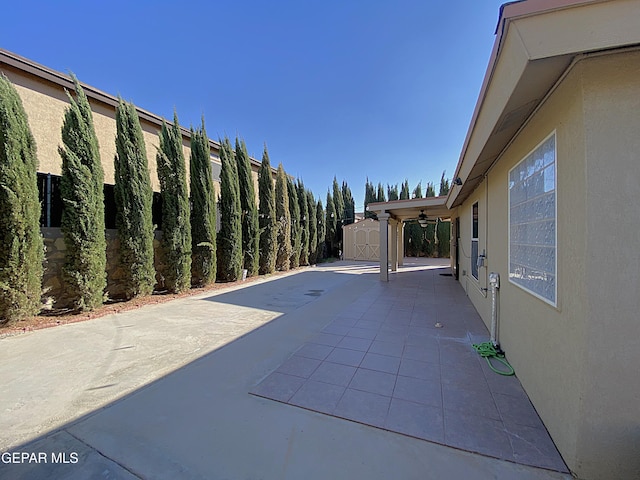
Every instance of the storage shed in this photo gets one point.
(361, 240)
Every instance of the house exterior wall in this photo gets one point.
(609, 436)
(577, 360)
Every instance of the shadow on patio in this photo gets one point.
(362, 350)
(400, 358)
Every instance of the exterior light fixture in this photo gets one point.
(422, 219)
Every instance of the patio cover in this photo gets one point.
(392, 215)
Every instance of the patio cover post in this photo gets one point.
(400, 228)
(394, 244)
(384, 246)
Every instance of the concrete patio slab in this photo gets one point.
(177, 404)
(417, 374)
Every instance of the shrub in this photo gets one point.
(296, 230)
(203, 211)
(22, 249)
(267, 217)
(82, 191)
(133, 199)
(250, 226)
(230, 236)
(176, 222)
(283, 216)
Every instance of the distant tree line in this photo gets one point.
(280, 227)
(429, 241)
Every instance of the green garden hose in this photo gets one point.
(488, 351)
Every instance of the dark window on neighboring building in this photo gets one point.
(156, 210)
(50, 200)
(51, 204)
(109, 207)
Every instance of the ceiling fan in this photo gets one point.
(423, 220)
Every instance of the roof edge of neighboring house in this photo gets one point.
(509, 12)
(26, 65)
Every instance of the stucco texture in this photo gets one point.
(577, 359)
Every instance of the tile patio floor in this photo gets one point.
(383, 362)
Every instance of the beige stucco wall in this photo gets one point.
(474, 287)
(609, 436)
(578, 360)
(45, 103)
(545, 343)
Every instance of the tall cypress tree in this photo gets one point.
(250, 226)
(369, 197)
(349, 204)
(296, 228)
(176, 221)
(392, 192)
(283, 216)
(331, 225)
(304, 223)
(267, 217)
(338, 203)
(444, 185)
(417, 192)
(133, 199)
(443, 229)
(404, 191)
(380, 197)
(313, 228)
(321, 232)
(203, 211)
(22, 250)
(230, 237)
(431, 191)
(82, 191)
(404, 195)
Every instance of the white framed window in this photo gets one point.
(532, 222)
(474, 241)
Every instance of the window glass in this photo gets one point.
(532, 222)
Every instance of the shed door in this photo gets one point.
(361, 245)
(374, 245)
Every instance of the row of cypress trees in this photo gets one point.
(278, 233)
(341, 210)
(282, 233)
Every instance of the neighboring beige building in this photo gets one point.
(547, 197)
(43, 95)
(42, 91)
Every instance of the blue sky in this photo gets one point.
(344, 88)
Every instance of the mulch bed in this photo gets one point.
(55, 317)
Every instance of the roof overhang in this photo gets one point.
(433, 207)
(537, 42)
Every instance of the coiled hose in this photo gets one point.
(488, 351)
